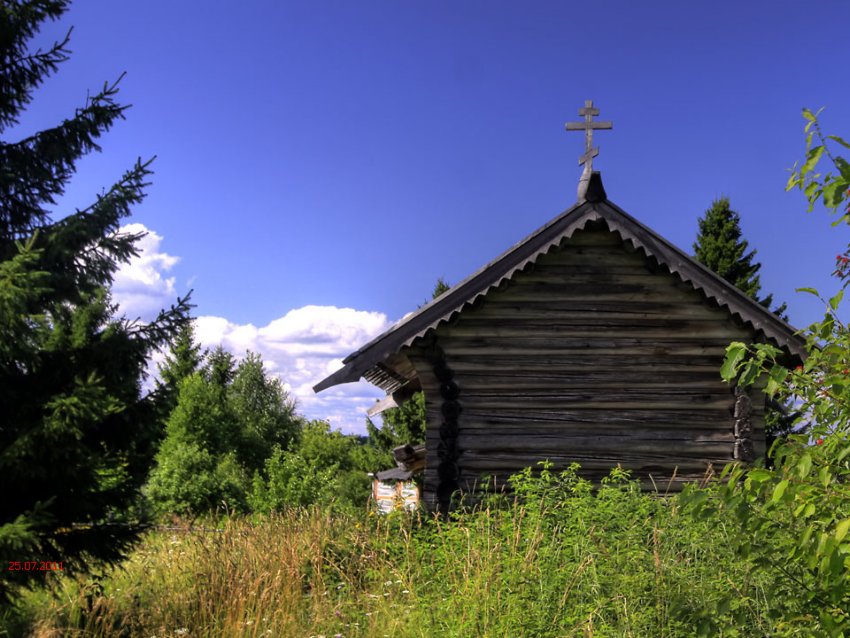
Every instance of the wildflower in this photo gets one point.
(798, 369)
(819, 442)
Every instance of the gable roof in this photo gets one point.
(377, 360)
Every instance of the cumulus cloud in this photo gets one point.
(141, 287)
(301, 348)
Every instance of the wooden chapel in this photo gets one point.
(593, 340)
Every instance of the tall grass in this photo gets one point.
(562, 560)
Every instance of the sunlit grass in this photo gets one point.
(624, 564)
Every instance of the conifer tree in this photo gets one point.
(183, 359)
(77, 433)
(440, 287)
(721, 247)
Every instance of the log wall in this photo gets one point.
(593, 356)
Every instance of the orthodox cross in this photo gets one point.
(588, 127)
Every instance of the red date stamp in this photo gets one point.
(35, 566)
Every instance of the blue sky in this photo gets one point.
(320, 164)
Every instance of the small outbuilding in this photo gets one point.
(399, 487)
(593, 340)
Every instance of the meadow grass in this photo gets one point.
(563, 560)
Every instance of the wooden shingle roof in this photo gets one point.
(379, 362)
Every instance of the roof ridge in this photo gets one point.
(541, 241)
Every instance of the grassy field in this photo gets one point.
(567, 561)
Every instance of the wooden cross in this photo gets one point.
(588, 127)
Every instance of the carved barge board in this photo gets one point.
(595, 356)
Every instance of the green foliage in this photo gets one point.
(219, 368)
(265, 412)
(183, 359)
(201, 434)
(833, 188)
(440, 287)
(228, 421)
(404, 424)
(325, 467)
(792, 520)
(563, 560)
(721, 247)
(292, 481)
(77, 435)
(401, 425)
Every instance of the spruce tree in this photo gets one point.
(721, 247)
(440, 287)
(183, 359)
(77, 432)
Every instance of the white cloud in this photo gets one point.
(302, 348)
(141, 287)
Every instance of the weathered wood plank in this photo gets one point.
(625, 345)
(592, 355)
(583, 308)
(601, 276)
(599, 407)
(507, 462)
(587, 438)
(622, 417)
(610, 391)
(565, 373)
(613, 292)
(595, 268)
(565, 392)
(652, 328)
(607, 255)
(592, 237)
(501, 384)
(650, 364)
(620, 447)
(605, 434)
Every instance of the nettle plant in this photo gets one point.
(795, 516)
